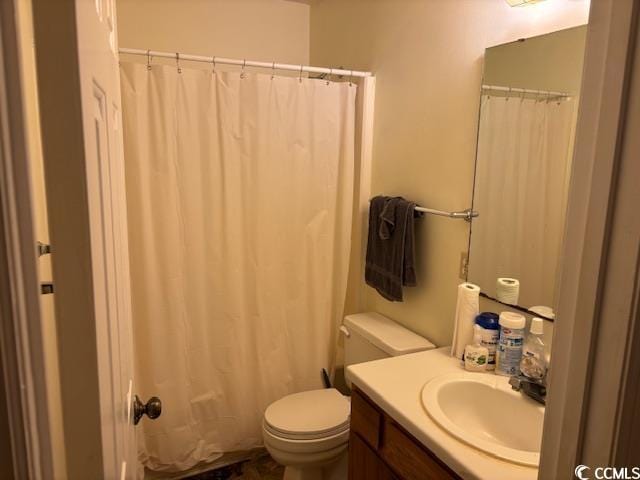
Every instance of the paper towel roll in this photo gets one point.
(467, 307)
(508, 290)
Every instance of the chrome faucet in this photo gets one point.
(534, 389)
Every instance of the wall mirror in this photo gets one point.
(528, 113)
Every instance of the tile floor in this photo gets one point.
(261, 467)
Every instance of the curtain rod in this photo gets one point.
(500, 88)
(245, 63)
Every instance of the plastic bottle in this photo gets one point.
(533, 363)
(509, 352)
(476, 356)
(489, 335)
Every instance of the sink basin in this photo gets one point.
(483, 411)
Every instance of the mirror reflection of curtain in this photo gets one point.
(240, 195)
(523, 168)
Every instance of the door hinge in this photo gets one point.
(46, 288)
(43, 249)
(464, 266)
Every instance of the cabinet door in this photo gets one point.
(408, 458)
(364, 463)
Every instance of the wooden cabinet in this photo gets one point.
(380, 449)
(364, 463)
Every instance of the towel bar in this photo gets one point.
(467, 214)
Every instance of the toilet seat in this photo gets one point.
(304, 435)
(306, 448)
(312, 415)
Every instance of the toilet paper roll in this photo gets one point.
(467, 308)
(508, 290)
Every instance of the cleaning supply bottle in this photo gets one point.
(476, 356)
(509, 352)
(533, 363)
(489, 335)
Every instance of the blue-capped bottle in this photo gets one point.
(489, 327)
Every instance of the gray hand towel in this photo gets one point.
(390, 259)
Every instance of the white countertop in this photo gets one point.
(395, 385)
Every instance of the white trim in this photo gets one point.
(366, 108)
(20, 331)
(581, 352)
(613, 386)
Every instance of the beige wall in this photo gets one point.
(265, 30)
(427, 56)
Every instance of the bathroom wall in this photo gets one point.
(266, 30)
(427, 56)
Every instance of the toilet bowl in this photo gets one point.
(308, 433)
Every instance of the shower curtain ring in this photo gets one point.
(273, 70)
(300, 78)
(244, 64)
(329, 76)
(178, 62)
(509, 94)
(351, 78)
(148, 59)
(213, 69)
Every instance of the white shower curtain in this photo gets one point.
(240, 194)
(523, 166)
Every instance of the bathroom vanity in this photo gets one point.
(379, 446)
(393, 437)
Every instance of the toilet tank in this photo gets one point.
(371, 336)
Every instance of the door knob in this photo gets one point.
(152, 409)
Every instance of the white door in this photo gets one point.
(101, 117)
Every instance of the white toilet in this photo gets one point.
(308, 432)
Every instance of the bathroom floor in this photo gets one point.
(261, 467)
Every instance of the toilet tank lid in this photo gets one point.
(386, 334)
